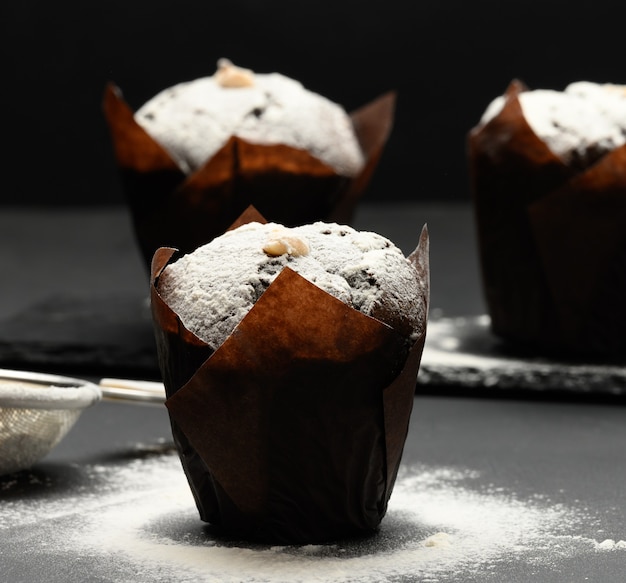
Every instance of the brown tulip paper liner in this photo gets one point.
(551, 237)
(291, 431)
(287, 185)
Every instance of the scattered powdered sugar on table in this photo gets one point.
(137, 522)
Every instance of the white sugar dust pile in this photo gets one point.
(137, 522)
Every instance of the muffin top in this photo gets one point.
(579, 124)
(193, 120)
(213, 288)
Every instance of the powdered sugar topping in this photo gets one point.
(213, 288)
(193, 120)
(578, 124)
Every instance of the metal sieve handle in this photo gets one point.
(141, 392)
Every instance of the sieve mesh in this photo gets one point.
(26, 435)
(36, 412)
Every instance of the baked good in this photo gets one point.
(193, 120)
(290, 404)
(548, 179)
(579, 124)
(197, 154)
(212, 294)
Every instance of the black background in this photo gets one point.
(446, 60)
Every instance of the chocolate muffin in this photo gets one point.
(214, 287)
(195, 119)
(548, 180)
(290, 358)
(197, 154)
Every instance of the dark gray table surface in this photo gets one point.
(496, 485)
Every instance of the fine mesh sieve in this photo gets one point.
(36, 412)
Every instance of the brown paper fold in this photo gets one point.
(287, 185)
(552, 239)
(293, 429)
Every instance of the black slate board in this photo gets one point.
(463, 353)
(112, 335)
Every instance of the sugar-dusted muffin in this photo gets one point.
(548, 179)
(290, 357)
(579, 125)
(197, 154)
(212, 293)
(195, 119)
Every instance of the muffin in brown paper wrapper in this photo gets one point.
(292, 431)
(172, 209)
(551, 238)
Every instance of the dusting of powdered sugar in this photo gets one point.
(214, 287)
(579, 123)
(193, 120)
(138, 522)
